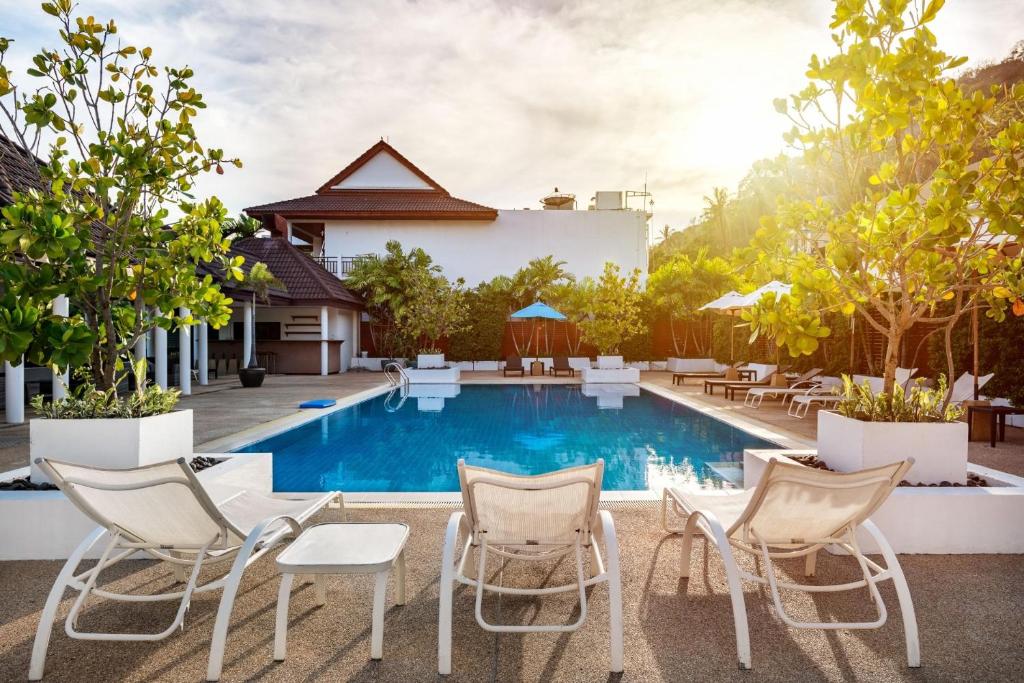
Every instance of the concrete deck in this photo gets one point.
(968, 612)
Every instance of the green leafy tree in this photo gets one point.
(680, 287)
(388, 284)
(616, 311)
(574, 300)
(240, 227)
(716, 214)
(439, 309)
(95, 229)
(918, 187)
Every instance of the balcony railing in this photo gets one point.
(340, 265)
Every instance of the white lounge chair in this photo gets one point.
(795, 511)
(164, 511)
(963, 388)
(801, 385)
(543, 517)
(821, 397)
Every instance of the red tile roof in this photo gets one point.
(306, 282)
(329, 202)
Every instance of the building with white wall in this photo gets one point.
(382, 196)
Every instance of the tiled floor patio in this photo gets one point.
(968, 605)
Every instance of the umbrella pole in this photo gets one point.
(974, 334)
(732, 337)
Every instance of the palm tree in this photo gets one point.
(665, 233)
(259, 280)
(240, 227)
(714, 213)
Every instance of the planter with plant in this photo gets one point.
(259, 280)
(868, 430)
(101, 428)
(616, 314)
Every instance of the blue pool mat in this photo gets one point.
(318, 403)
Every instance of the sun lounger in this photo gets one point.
(539, 518)
(800, 405)
(796, 511)
(561, 364)
(681, 377)
(710, 384)
(163, 511)
(755, 395)
(513, 364)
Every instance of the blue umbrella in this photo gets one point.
(538, 311)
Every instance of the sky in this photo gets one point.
(498, 100)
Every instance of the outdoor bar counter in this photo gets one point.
(286, 356)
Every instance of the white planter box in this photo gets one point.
(486, 365)
(437, 376)
(692, 365)
(427, 361)
(936, 520)
(641, 365)
(373, 363)
(938, 448)
(610, 363)
(579, 362)
(115, 444)
(619, 376)
(659, 365)
(466, 365)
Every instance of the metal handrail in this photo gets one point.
(403, 392)
(390, 371)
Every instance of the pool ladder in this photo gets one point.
(395, 374)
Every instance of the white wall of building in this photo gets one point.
(480, 250)
(383, 171)
(340, 327)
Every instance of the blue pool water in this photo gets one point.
(390, 444)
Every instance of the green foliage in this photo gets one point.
(1001, 352)
(912, 187)
(487, 308)
(616, 310)
(439, 309)
(87, 402)
(574, 299)
(124, 152)
(388, 284)
(917, 405)
(240, 227)
(681, 286)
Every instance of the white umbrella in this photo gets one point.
(731, 303)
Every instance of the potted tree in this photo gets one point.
(91, 225)
(615, 315)
(438, 309)
(259, 280)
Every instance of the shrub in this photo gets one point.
(917, 405)
(87, 402)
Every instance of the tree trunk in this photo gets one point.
(252, 336)
(891, 361)
(672, 329)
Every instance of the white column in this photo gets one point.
(247, 322)
(357, 341)
(323, 340)
(14, 388)
(60, 379)
(160, 356)
(185, 355)
(204, 355)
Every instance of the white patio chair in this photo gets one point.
(821, 397)
(963, 388)
(795, 511)
(800, 385)
(530, 518)
(164, 511)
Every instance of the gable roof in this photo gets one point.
(428, 203)
(364, 158)
(306, 282)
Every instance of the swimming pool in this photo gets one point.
(411, 440)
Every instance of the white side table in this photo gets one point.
(343, 549)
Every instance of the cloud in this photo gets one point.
(499, 101)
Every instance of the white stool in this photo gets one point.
(343, 549)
